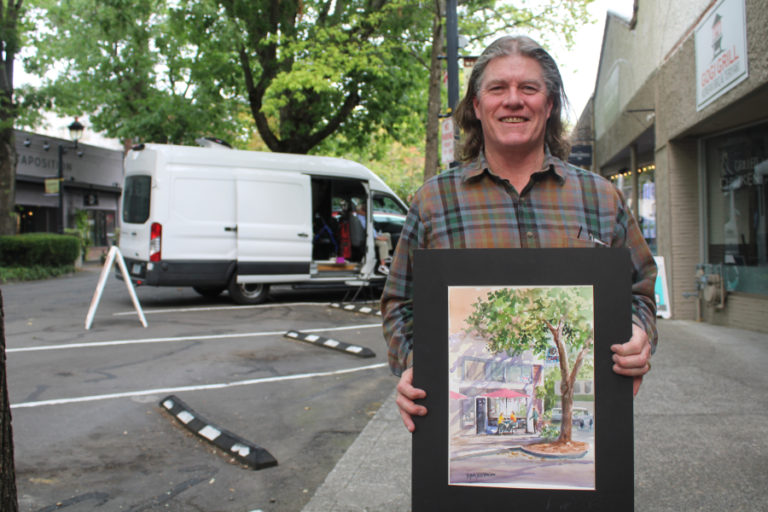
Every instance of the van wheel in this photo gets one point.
(248, 293)
(209, 292)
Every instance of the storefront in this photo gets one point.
(640, 188)
(89, 178)
(735, 173)
(679, 124)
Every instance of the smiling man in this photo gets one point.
(514, 189)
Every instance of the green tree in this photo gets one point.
(11, 31)
(514, 320)
(317, 68)
(546, 392)
(137, 68)
(307, 75)
(299, 71)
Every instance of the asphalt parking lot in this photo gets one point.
(89, 430)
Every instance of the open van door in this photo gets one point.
(274, 233)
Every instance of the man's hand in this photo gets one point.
(406, 394)
(633, 358)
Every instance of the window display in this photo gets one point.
(736, 172)
(646, 181)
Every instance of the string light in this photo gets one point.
(640, 170)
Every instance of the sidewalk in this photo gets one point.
(701, 433)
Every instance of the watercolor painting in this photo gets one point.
(521, 394)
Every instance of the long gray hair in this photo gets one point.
(554, 137)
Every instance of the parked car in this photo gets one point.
(581, 416)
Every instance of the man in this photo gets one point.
(515, 190)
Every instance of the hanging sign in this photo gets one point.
(447, 140)
(721, 51)
(52, 186)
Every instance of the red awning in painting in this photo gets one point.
(505, 393)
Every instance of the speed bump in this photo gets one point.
(357, 308)
(244, 451)
(322, 341)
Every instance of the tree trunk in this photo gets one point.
(7, 180)
(566, 384)
(431, 157)
(566, 401)
(8, 499)
(9, 46)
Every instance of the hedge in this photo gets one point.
(38, 249)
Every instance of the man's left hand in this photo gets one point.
(633, 358)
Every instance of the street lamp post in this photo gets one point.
(452, 52)
(75, 132)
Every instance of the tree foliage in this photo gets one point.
(514, 320)
(298, 71)
(308, 75)
(11, 39)
(135, 68)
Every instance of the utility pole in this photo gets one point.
(452, 53)
(452, 58)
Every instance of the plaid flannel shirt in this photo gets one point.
(471, 207)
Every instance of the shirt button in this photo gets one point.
(529, 234)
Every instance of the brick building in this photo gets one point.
(679, 121)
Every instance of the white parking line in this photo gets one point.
(179, 338)
(221, 308)
(162, 391)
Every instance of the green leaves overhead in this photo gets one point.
(135, 67)
(308, 75)
(517, 319)
(315, 69)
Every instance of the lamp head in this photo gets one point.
(76, 130)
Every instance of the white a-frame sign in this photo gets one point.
(114, 255)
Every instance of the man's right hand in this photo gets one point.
(406, 394)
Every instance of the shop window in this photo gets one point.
(646, 181)
(737, 194)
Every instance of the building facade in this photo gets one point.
(679, 121)
(91, 180)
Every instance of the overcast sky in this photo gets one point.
(579, 65)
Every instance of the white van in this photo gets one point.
(219, 218)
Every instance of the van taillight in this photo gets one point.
(155, 242)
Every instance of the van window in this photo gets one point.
(136, 199)
(388, 216)
(387, 204)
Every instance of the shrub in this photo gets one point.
(550, 432)
(10, 274)
(43, 249)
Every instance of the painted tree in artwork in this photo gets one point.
(514, 320)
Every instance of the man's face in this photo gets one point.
(513, 105)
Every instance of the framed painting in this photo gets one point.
(524, 410)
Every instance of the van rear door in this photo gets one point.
(134, 233)
(274, 229)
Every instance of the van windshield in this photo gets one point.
(136, 199)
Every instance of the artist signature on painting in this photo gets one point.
(479, 476)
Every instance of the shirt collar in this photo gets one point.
(551, 164)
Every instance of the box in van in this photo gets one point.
(222, 219)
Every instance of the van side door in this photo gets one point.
(274, 227)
